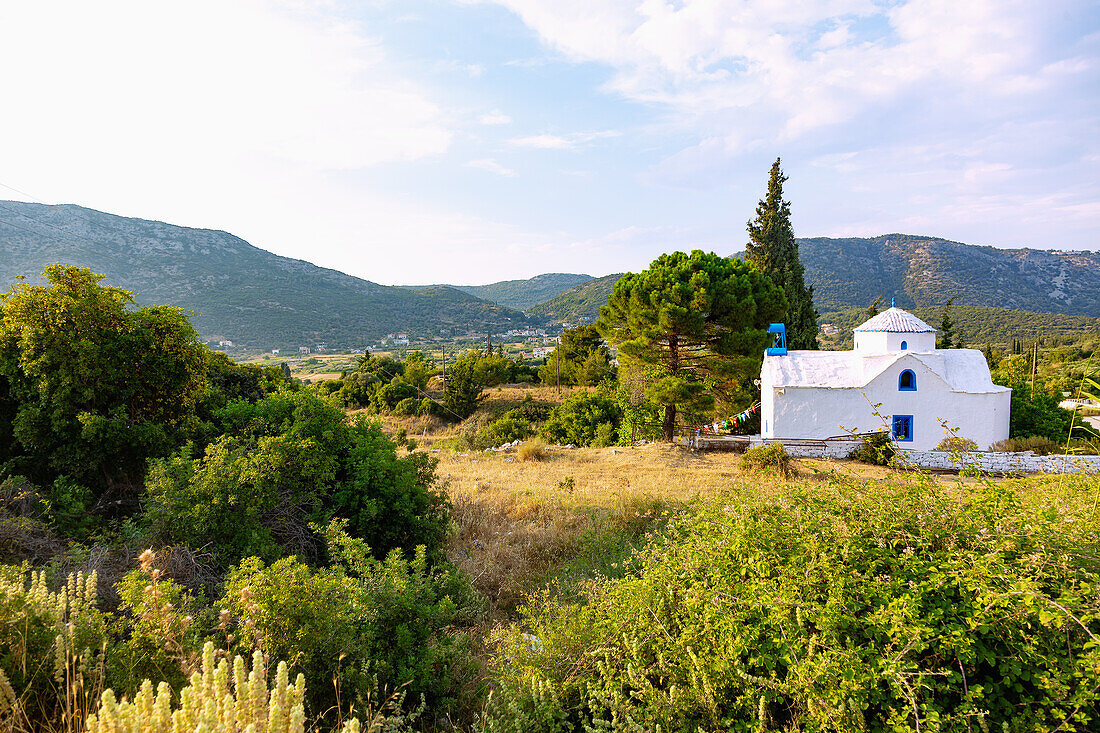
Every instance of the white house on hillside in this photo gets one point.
(895, 364)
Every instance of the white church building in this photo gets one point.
(896, 371)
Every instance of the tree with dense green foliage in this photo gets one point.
(581, 358)
(466, 381)
(585, 419)
(699, 319)
(419, 369)
(1034, 410)
(774, 251)
(947, 339)
(94, 386)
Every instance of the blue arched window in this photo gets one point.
(907, 382)
(904, 345)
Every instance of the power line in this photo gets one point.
(31, 218)
(21, 193)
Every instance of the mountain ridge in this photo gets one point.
(523, 293)
(917, 272)
(237, 291)
(260, 299)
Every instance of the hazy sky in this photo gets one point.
(421, 141)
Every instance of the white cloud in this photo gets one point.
(488, 164)
(782, 69)
(471, 70)
(571, 141)
(496, 117)
(542, 142)
(207, 81)
(248, 116)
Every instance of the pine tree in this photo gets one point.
(774, 251)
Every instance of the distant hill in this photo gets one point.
(238, 291)
(916, 271)
(581, 303)
(522, 294)
(975, 325)
(928, 271)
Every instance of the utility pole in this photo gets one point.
(1034, 364)
(444, 347)
(557, 361)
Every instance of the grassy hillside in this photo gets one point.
(581, 303)
(237, 291)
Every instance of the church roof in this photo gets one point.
(895, 320)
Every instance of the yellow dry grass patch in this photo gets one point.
(601, 477)
(519, 524)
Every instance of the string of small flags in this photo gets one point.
(733, 422)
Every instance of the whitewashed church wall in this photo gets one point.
(814, 413)
(881, 342)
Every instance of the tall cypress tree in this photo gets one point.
(773, 250)
(947, 328)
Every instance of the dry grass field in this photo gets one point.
(527, 526)
(578, 513)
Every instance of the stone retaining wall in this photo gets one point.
(1002, 462)
(986, 461)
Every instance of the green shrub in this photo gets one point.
(242, 498)
(158, 627)
(299, 415)
(1036, 444)
(485, 433)
(878, 449)
(69, 508)
(365, 623)
(390, 502)
(896, 608)
(407, 407)
(956, 444)
(585, 419)
(389, 396)
(771, 458)
(531, 410)
(287, 460)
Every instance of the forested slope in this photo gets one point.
(237, 291)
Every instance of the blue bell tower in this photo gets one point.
(778, 333)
